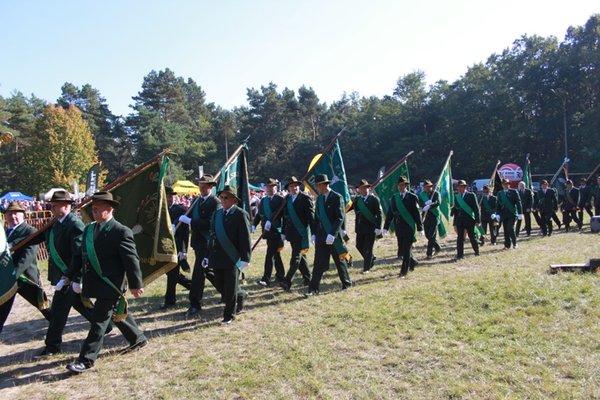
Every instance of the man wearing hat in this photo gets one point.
(199, 217)
(585, 199)
(368, 220)
(298, 217)
(63, 241)
(25, 260)
(269, 215)
(526, 196)
(488, 208)
(108, 256)
(328, 236)
(569, 207)
(547, 204)
(182, 234)
(597, 196)
(404, 213)
(230, 251)
(430, 201)
(466, 217)
(508, 210)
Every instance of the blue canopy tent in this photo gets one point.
(18, 196)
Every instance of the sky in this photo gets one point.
(228, 46)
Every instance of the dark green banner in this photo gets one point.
(8, 279)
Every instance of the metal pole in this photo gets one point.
(565, 126)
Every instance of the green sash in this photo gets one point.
(224, 240)
(121, 311)
(441, 227)
(340, 248)
(506, 202)
(267, 212)
(364, 210)
(486, 205)
(302, 230)
(466, 208)
(405, 214)
(56, 259)
(8, 282)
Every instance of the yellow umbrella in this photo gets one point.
(185, 187)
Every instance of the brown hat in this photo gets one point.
(228, 189)
(272, 182)
(292, 179)
(402, 179)
(544, 181)
(169, 190)
(363, 182)
(207, 180)
(485, 187)
(462, 182)
(106, 197)
(14, 206)
(583, 180)
(504, 180)
(61, 195)
(427, 182)
(321, 178)
(569, 181)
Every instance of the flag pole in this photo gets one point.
(437, 184)
(304, 178)
(391, 170)
(590, 176)
(566, 160)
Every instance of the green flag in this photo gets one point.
(235, 174)
(527, 173)
(331, 164)
(388, 186)
(8, 277)
(144, 209)
(446, 190)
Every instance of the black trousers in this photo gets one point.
(527, 218)
(492, 228)
(569, 216)
(546, 219)
(175, 277)
(431, 235)
(297, 261)
(199, 277)
(364, 245)
(510, 237)
(405, 250)
(273, 258)
(323, 252)
(5, 310)
(62, 302)
(460, 239)
(226, 281)
(101, 318)
(556, 219)
(30, 293)
(587, 208)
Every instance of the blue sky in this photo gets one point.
(228, 46)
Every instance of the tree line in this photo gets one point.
(514, 103)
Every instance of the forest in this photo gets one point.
(528, 99)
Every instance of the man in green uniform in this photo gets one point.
(466, 219)
(508, 210)
(367, 223)
(429, 200)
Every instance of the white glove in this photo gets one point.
(268, 226)
(384, 232)
(377, 231)
(426, 208)
(421, 233)
(185, 219)
(493, 216)
(520, 217)
(173, 226)
(253, 229)
(344, 233)
(243, 265)
(204, 263)
(330, 239)
(283, 237)
(498, 218)
(428, 202)
(59, 285)
(76, 287)
(181, 255)
(313, 239)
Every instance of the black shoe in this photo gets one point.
(79, 367)
(239, 305)
(46, 352)
(134, 347)
(192, 312)
(476, 253)
(285, 286)
(306, 281)
(263, 282)
(166, 306)
(311, 293)
(227, 321)
(347, 286)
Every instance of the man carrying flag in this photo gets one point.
(367, 210)
(466, 217)
(328, 235)
(271, 226)
(526, 196)
(488, 207)
(404, 213)
(430, 201)
(508, 210)
(298, 216)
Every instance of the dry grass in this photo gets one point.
(488, 327)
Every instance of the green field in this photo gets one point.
(496, 326)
